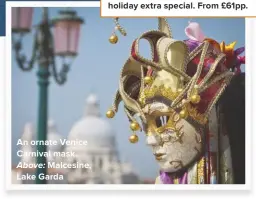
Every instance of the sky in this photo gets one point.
(96, 69)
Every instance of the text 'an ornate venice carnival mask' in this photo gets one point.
(171, 95)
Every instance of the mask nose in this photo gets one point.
(153, 140)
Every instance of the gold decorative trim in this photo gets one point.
(220, 59)
(200, 171)
(167, 93)
(182, 97)
(193, 113)
(163, 26)
(119, 27)
(199, 68)
(156, 91)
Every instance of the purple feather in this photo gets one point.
(192, 44)
(239, 51)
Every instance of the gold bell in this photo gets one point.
(184, 113)
(147, 80)
(133, 138)
(113, 39)
(135, 126)
(195, 99)
(110, 114)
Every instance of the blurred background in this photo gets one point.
(77, 109)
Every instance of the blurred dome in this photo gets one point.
(28, 132)
(53, 135)
(92, 128)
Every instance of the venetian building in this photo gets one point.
(101, 151)
(26, 138)
(28, 135)
(53, 135)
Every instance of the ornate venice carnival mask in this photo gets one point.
(171, 94)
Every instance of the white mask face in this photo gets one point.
(174, 141)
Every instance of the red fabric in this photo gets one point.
(207, 96)
(210, 93)
(133, 53)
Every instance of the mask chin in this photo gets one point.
(184, 146)
(169, 169)
(181, 155)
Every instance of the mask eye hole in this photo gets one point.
(158, 122)
(161, 120)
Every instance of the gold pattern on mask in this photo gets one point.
(187, 110)
(170, 126)
(151, 92)
(166, 80)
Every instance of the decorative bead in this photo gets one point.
(195, 99)
(135, 126)
(196, 86)
(110, 114)
(183, 113)
(147, 80)
(113, 39)
(134, 139)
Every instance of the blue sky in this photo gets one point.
(97, 69)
